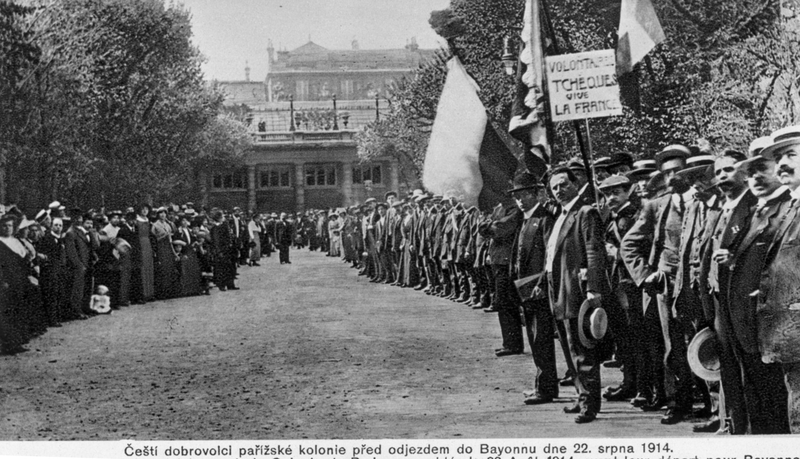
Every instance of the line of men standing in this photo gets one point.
(682, 247)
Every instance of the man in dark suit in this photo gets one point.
(754, 390)
(78, 250)
(53, 266)
(651, 253)
(528, 260)
(283, 238)
(725, 226)
(576, 271)
(502, 229)
(778, 330)
(625, 324)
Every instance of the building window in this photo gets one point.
(301, 89)
(347, 88)
(321, 175)
(230, 180)
(366, 172)
(275, 177)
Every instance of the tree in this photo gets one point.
(117, 106)
(726, 72)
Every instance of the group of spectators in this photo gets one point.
(62, 266)
(681, 271)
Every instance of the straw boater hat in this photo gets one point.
(697, 164)
(672, 152)
(614, 181)
(702, 355)
(756, 150)
(592, 323)
(781, 138)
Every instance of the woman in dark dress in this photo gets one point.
(19, 294)
(221, 249)
(166, 271)
(145, 255)
(186, 245)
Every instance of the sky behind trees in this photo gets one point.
(230, 32)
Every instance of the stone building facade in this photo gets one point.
(303, 119)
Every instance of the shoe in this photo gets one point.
(504, 352)
(585, 417)
(55, 325)
(639, 400)
(656, 405)
(707, 427)
(673, 416)
(566, 381)
(704, 412)
(223, 289)
(490, 309)
(233, 288)
(620, 395)
(538, 399)
(255, 264)
(420, 287)
(574, 409)
(477, 306)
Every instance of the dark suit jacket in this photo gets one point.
(502, 230)
(530, 245)
(748, 261)
(642, 245)
(78, 249)
(580, 246)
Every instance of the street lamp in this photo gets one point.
(508, 58)
(335, 115)
(291, 112)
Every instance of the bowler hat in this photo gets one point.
(621, 159)
(389, 193)
(602, 163)
(592, 323)
(524, 180)
(702, 355)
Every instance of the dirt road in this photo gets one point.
(307, 350)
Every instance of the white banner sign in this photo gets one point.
(583, 85)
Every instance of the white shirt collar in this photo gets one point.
(141, 219)
(796, 193)
(571, 204)
(780, 190)
(731, 204)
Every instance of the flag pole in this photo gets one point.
(575, 124)
(591, 156)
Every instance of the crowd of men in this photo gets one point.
(692, 248)
(631, 270)
(62, 266)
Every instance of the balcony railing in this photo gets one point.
(303, 136)
(322, 116)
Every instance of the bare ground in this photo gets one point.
(307, 350)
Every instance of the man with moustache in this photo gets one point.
(777, 319)
(755, 389)
(576, 271)
(528, 263)
(651, 252)
(724, 230)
